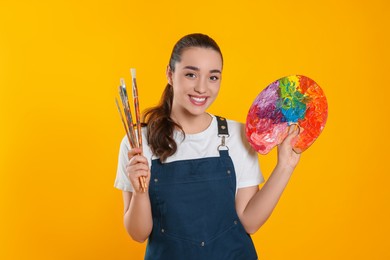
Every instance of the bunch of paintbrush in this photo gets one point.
(134, 136)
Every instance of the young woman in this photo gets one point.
(203, 199)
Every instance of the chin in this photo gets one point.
(197, 112)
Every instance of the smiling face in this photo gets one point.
(196, 81)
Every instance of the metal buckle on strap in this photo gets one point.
(222, 146)
(223, 132)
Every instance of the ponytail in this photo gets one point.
(160, 126)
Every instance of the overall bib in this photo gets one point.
(193, 208)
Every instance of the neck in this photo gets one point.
(193, 124)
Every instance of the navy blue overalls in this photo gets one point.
(193, 208)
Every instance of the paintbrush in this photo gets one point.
(127, 110)
(129, 128)
(123, 121)
(137, 115)
(136, 106)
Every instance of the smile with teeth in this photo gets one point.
(198, 100)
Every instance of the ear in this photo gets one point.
(169, 75)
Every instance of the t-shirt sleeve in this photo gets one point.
(248, 168)
(122, 182)
(250, 171)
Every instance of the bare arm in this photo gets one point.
(137, 210)
(254, 206)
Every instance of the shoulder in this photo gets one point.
(235, 125)
(236, 129)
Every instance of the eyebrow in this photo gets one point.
(197, 69)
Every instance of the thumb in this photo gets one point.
(132, 152)
(293, 130)
(293, 133)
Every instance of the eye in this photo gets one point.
(190, 75)
(214, 78)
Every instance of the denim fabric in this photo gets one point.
(194, 215)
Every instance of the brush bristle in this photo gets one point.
(132, 73)
(122, 82)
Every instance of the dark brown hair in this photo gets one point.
(160, 126)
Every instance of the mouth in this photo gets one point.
(198, 101)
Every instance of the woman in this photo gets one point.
(203, 199)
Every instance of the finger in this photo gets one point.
(135, 177)
(294, 129)
(133, 152)
(295, 134)
(135, 170)
(139, 174)
(137, 167)
(138, 159)
(292, 136)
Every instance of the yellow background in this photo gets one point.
(60, 64)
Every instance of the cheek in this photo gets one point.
(179, 91)
(215, 89)
(181, 84)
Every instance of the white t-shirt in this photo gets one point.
(201, 145)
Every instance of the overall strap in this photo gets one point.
(223, 132)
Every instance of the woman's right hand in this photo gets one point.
(137, 167)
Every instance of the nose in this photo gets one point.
(201, 87)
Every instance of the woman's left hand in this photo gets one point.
(287, 157)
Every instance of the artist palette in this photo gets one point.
(290, 100)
